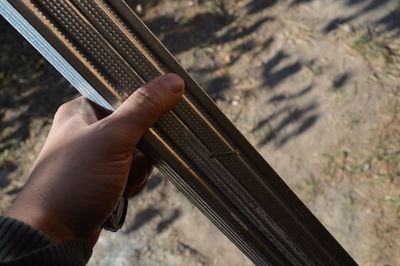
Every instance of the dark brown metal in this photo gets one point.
(194, 145)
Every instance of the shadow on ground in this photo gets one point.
(390, 20)
(151, 213)
(220, 26)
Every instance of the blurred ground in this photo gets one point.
(313, 84)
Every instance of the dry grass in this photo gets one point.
(375, 168)
(381, 51)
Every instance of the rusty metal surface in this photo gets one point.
(194, 145)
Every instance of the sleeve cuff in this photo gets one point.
(22, 244)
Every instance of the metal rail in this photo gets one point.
(107, 52)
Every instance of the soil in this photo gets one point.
(313, 84)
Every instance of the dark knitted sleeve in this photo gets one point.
(21, 244)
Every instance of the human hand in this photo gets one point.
(87, 163)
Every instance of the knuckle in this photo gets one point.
(149, 100)
(68, 107)
(63, 108)
(62, 111)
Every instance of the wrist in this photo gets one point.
(29, 213)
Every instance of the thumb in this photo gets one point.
(143, 108)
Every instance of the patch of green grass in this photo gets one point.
(371, 49)
(381, 52)
(312, 187)
(315, 70)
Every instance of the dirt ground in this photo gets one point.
(313, 84)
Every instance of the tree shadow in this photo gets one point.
(341, 80)
(391, 21)
(284, 97)
(259, 5)
(199, 31)
(164, 224)
(154, 182)
(273, 76)
(217, 86)
(141, 218)
(150, 214)
(293, 121)
(180, 37)
(298, 119)
(239, 32)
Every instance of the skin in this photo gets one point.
(89, 161)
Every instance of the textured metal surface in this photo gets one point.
(194, 145)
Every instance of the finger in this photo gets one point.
(142, 109)
(141, 169)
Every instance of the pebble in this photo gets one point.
(139, 8)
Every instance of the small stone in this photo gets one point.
(139, 8)
(346, 28)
